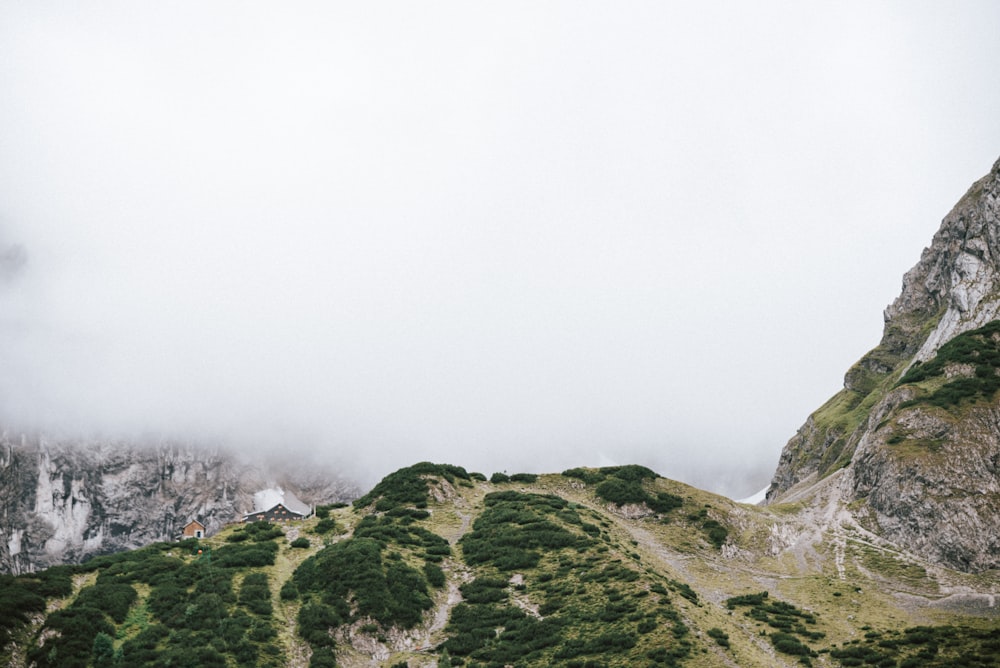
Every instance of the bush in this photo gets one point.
(435, 576)
(719, 636)
(113, 599)
(245, 556)
(391, 593)
(408, 486)
(301, 542)
(485, 590)
(289, 592)
(498, 478)
(255, 594)
(325, 525)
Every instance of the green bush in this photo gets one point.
(113, 599)
(719, 636)
(326, 525)
(245, 556)
(435, 576)
(255, 594)
(300, 542)
(499, 478)
(390, 592)
(408, 486)
(979, 348)
(289, 592)
(18, 602)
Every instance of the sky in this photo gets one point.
(512, 236)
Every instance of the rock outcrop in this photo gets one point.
(66, 500)
(922, 474)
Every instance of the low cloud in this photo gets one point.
(519, 238)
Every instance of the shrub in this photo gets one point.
(245, 556)
(113, 599)
(498, 478)
(325, 525)
(485, 590)
(719, 636)
(289, 592)
(408, 486)
(301, 542)
(435, 576)
(255, 594)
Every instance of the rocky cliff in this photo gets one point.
(64, 500)
(922, 467)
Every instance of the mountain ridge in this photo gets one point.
(438, 566)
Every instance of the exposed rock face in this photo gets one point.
(936, 491)
(64, 501)
(934, 487)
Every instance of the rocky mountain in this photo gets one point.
(911, 445)
(436, 566)
(67, 499)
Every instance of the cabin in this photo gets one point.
(276, 513)
(277, 505)
(194, 529)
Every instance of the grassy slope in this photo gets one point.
(642, 577)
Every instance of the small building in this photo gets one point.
(276, 513)
(194, 529)
(277, 505)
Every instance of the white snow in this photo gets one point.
(269, 498)
(756, 498)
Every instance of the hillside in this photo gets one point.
(437, 566)
(911, 445)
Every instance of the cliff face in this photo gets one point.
(926, 471)
(66, 500)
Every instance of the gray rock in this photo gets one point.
(66, 500)
(925, 478)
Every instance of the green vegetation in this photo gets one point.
(354, 581)
(923, 647)
(714, 531)
(408, 486)
(545, 581)
(594, 610)
(978, 349)
(24, 596)
(257, 532)
(719, 636)
(513, 530)
(624, 484)
(191, 615)
(789, 623)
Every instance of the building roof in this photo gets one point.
(194, 522)
(267, 499)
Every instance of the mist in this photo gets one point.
(509, 236)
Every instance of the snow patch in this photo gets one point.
(755, 499)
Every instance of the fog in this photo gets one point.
(511, 236)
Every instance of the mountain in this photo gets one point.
(67, 499)
(436, 566)
(911, 445)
